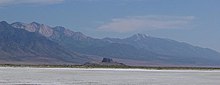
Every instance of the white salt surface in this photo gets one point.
(99, 76)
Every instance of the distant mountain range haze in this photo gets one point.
(35, 43)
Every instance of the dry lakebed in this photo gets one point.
(106, 76)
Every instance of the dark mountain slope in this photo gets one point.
(18, 45)
(179, 52)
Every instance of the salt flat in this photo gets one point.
(99, 76)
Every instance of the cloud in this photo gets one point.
(15, 2)
(150, 22)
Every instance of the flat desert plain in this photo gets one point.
(99, 76)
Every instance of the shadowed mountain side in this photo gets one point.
(18, 45)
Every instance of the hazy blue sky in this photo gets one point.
(192, 21)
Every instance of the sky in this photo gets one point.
(193, 21)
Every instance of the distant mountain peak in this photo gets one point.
(138, 36)
(34, 27)
(19, 23)
(3, 22)
(38, 25)
(4, 25)
(50, 32)
(35, 23)
(70, 33)
(141, 35)
(59, 27)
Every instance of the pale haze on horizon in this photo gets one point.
(192, 21)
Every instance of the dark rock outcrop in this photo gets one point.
(107, 60)
(104, 62)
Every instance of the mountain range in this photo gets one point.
(35, 43)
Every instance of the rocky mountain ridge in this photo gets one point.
(138, 48)
(24, 47)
